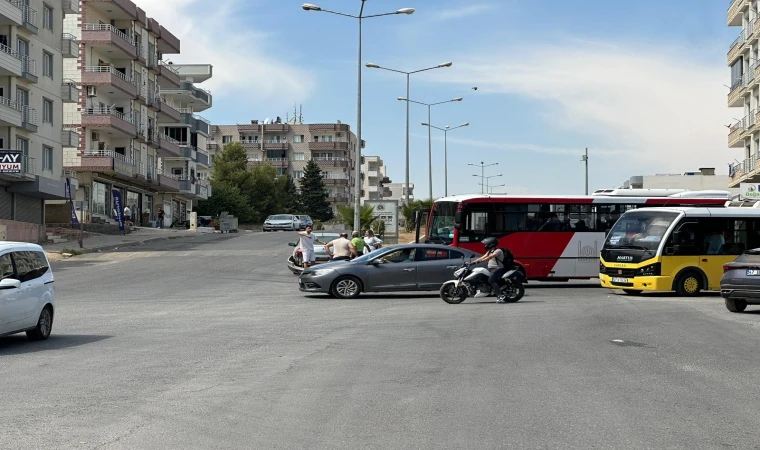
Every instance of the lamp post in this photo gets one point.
(485, 180)
(445, 152)
(584, 159)
(358, 152)
(439, 66)
(490, 188)
(482, 171)
(430, 144)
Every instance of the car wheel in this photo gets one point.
(689, 284)
(632, 291)
(735, 305)
(346, 287)
(44, 326)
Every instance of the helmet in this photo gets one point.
(490, 243)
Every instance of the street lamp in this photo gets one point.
(584, 158)
(439, 66)
(490, 188)
(485, 179)
(430, 145)
(358, 153)
(445, 152)
(482, 170)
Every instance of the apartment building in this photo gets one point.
(374, 179)
(132, 125)
(32, 47)
(289, 147)
(702, 179)
(398, 192)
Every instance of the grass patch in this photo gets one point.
(71, 251)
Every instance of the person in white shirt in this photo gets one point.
(307, 247)
(371, 243)
(127, 214)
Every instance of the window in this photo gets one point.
(434, 254)
(30, 265)
(281, 171)
(47, 17)
(298, 174)
(400, 256)
(226, 139)
(47, 111)
(299, 157)
(6, 266)
(47, 64)
(47, 158)
(298, 138)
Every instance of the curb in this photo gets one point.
(123, 244)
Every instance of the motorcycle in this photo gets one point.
(469, 280)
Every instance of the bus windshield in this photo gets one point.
(442, 224)
(643, 230)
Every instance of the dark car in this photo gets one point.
(740, 285)
(305, 222)
(409, 267)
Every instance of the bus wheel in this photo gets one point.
(632, 291)
(689, 284)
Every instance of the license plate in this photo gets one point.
(753, 272)
(620, 280)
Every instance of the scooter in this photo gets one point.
(469, 280)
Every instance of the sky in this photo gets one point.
(641, 84)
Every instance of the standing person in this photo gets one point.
(341, 248)
(371, 242)
(358, 244)
(127, 214)
(495, 257)
(307, 247)
(160, 217)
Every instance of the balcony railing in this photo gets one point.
(28, 14)
(111, 28)
(107, 111)
(112, 71)
(29, 65)
(10, 103)
(28, 115)
(5, 49)
(161, 63)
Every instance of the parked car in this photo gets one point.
(740, 284)
(305, 222)
(295, 261)
(408, 267)
(27, 294)
(282, 222)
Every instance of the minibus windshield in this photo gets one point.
(642, 230)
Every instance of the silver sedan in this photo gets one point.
(409, 267)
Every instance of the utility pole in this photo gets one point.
(584, 159)
(482, 175)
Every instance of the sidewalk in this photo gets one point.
(110, 242)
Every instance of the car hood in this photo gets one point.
(279, 222)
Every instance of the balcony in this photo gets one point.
(167, 111)
(328, 127)
(168, 43)
(70, 6)
(10, 13)
(108, 38)
(197, 123)
(10, 61)
(168, 147)
(372, 173)
(110, 120)
(10, 113)
(167, 182)
(168, 77)
(29, 68)
(735, 134)
(333, 145)
(201, 99)
(276, 145)
(28, 16)
(29, 120)
(325, 162)
(738, 46)
(736, 9)
(113, 9)
(69, 46)
(117, 82)
(738, 90)
(69, 138)
(338, 198)
(70, 92)
(186, 186)
(109, 162)
(202, 158)
(202, 189)
(28, 169)
(335, 181)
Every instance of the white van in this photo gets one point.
(27, 293)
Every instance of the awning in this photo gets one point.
(41, 187)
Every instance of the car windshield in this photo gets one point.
(442, 226)
(281, 217)
(643, 230)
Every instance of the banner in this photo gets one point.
(10, 161)
(119, 208)
(74, 219)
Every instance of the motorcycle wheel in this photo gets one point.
(453, 295)
(513, 293)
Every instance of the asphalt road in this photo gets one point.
(207, 343)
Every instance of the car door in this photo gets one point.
(9, 298)
(28, 270)
(435, 266)
(393, 271)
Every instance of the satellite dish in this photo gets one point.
(267, 120)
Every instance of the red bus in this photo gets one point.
(553, 237)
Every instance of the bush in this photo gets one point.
(318, 225)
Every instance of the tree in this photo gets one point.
(313, 193)
(367, 217)
(408, 211)
(226, 198)
(230, 167)
(263, 195)
(287, 195)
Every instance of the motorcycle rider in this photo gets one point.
(495, 258)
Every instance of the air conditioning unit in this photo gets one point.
(95, 136)
(92, 91)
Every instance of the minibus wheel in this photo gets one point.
(689, 284)
(632, 291)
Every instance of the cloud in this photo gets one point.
(464, 11)
(221, 34)
(656, 104)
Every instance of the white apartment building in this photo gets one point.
(744, 61)
(32, 47)
(398, 192)
(703, 179)
(133, 127)
(374, 179)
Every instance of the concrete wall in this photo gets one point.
(23, 231)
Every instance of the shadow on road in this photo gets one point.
(18, 344)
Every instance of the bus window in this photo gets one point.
(509, 218)
(607, 215)
(475, 225)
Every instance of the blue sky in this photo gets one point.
(641, 84)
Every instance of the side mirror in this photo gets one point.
(10, 283)
(458, 220)
(292, 244)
